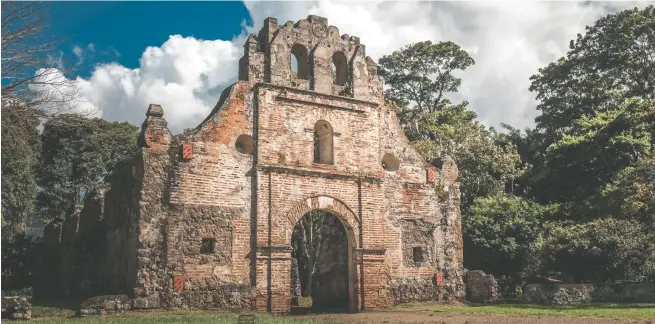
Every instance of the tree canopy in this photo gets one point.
(79, 155)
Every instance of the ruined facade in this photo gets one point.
(205, 218)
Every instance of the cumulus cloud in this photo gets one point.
(508, 40)
(184, 74)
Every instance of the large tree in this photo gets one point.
(34, 87)
(20, 161)
(419, 76)
(502, 233)
(79, 155)
(596, 109)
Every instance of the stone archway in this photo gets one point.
(343, 219)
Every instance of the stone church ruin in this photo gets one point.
(206, 218)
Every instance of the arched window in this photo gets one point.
(300, 61)
(340, 68)
(323, 150)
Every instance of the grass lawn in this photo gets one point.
(596, 310)
(54, 315)
(172, 317)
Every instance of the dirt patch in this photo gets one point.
(379, 317)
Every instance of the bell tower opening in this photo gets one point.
(300, 62)
(340, 68)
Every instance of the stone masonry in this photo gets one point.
(205, 218)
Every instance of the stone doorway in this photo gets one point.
(320, 274)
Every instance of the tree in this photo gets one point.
(501, 234)
(596, 104)
(419, 76)
(20, 160)
(79, 155)
(33, 87)
(632, 193)
(601, 250)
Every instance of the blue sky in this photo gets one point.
(183, 54)
(127, 28)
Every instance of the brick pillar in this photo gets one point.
(376, 276)
(273, 291)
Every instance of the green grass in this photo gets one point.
(596, 310)
(196, 317)
(55, 315)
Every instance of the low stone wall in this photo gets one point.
(213, 295)
(232, 296)
(626, 292)
(414, 289)
(16, 307)
(480, 287)
(16, 304)
(109, 304)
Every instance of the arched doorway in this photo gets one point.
(321, 279)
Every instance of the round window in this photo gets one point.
(244, 144)
(390, 163)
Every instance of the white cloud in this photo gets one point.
(83, 53)
(185, 75)
(79, 52)
(508, 40)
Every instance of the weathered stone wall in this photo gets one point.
(418, 289)
(626, 292)
(16, 307)
(152, 172)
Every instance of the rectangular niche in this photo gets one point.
(417, 241)
(208, 245)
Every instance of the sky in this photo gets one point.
(183, 54)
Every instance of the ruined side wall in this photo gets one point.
(209, 197)
(422, 206)
(216, 177)
(152, 279)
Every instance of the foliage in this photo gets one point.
(419, 76)
(20, 160)
(20, 259)
(79, 155)
(311, 233)
(500, 233)
(632, 193)
(597, 109)
(592, 154)
(601, 250)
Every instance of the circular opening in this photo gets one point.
(390, 163)
(244, 144)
